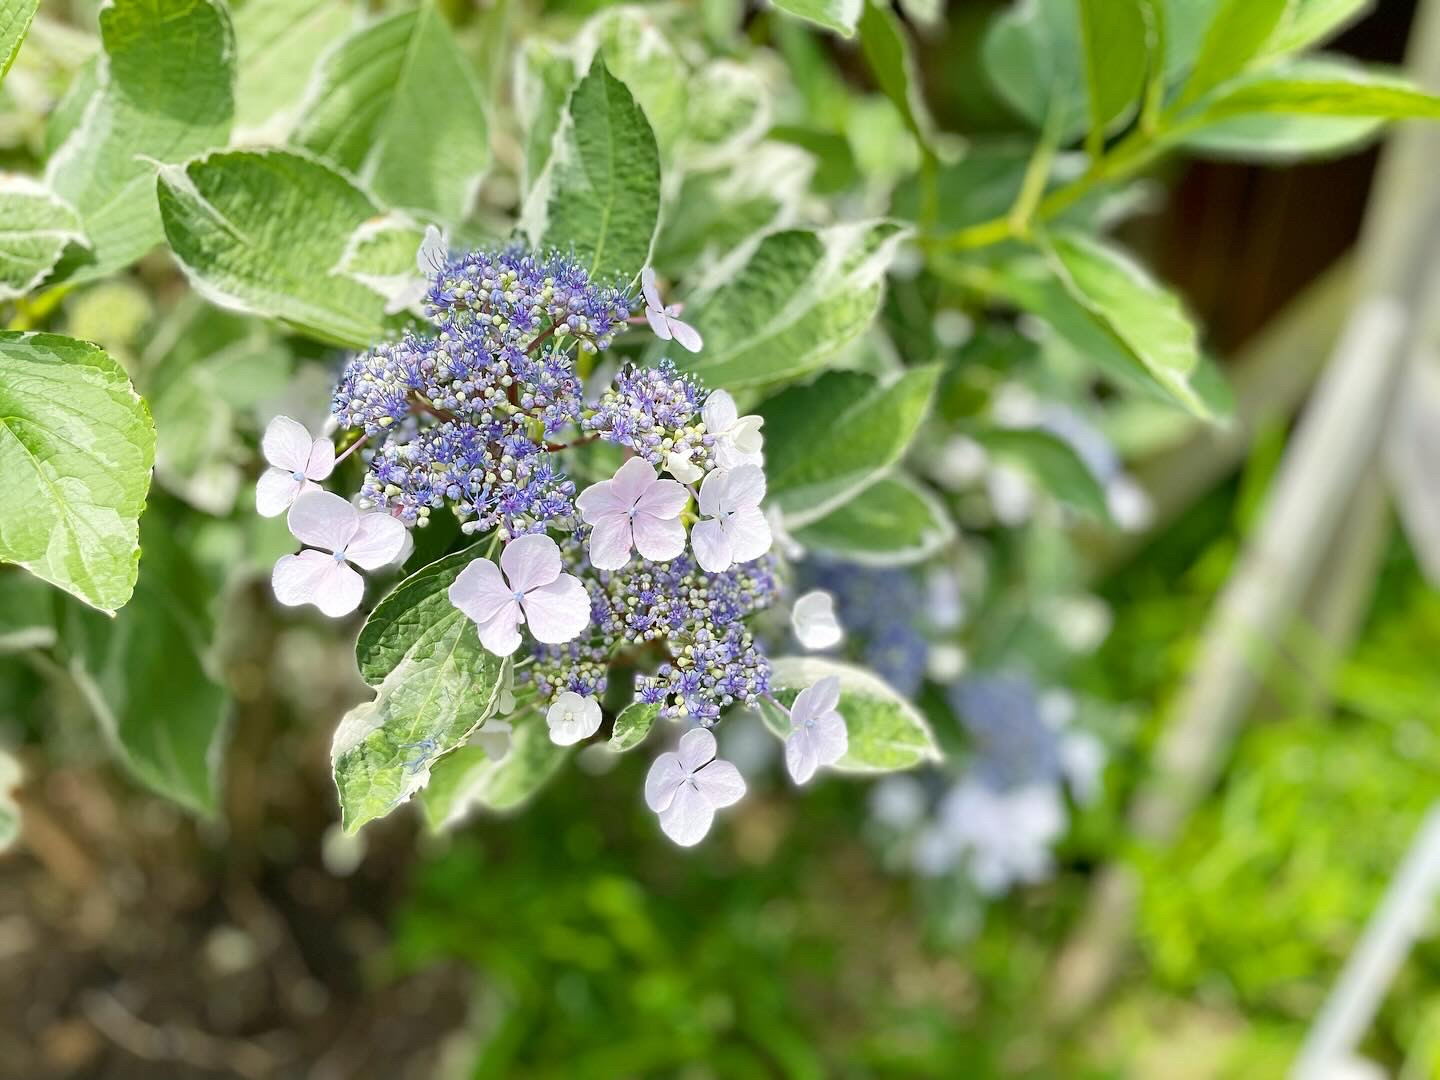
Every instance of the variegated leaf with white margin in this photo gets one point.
(805, 294)
(36, 225)
(543, 77)
(885, 732)
(381, 255)
(469, 778)
(397, 104)
(262, 231)
(638, 52)
(277, 44)
(838, 15)
(728, 110)
(15, 19)
(893, 522)
(166, 83)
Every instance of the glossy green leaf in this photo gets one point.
(804, 295)
(886, 733)
(1323, 86)
(838, 15)
(887, 51)
(76, 447)
(397, 105)
(1115, 40)
(165, 95)
(1309, 22)
(435, 685)
(146, 675)
(264, 232)
(632, 725)
(1052, 462)
(893, 522)
(15, 19)
(1238, 31)
(1034, 60)
(277, 44)
(470, 778)
(36, 225)
(827, 441)
(600, 193)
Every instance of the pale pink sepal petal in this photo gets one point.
(800, 758)
(744, 487)
(719, 412)
(572, 718)
(721, 783)
(658, 323)
(686, 336)
(610, 542)
(663, 780)
(312, 577)
(658, 539)
(275, 491)
(530, 561)
(688, 817)
(323, 519)
(711, 545)
(500, 633)
(649, 288)
(286, 445)
(378, 541)
(321, 462)
(557, 612)
(632, 480)
(749, 534)
(697, 747)
(479, 591)
(663, 499)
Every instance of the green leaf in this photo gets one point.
(600, 193)
(1052, 462)
(800, 297)
(544, 77)
(828, 441)
(886, 732)
(15, 19)
(1237, 33)
(381, 254)
(1116, 49)
(1309, 22)
(887, 51)
(36, 225)
(1321, 86)
(165, 94)
(264, 232)
(1035, 62)
(1138, 315)
(76, 447)
(277, 42)
(10, 777)
(640, 55)
(397, 105)
(632, 725)
(145, 675)
(435, 685)
(838, 15)
(27, 613)
(470, 777)
(893, 522)
(728, 111)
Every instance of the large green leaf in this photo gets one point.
(1320, 86)
(838, 15)
(886, 732)
(277, 44)
(887, 51)
(893, 522)
(435, 685)
(1138, 317)
(800, 297)
(265, 232)
(1116, 43)
(165, 94)
(36, 225)
(146, 675)
(470, 777)
(397, 105)
(1051, 461)
(15, 19)
(1034, 59)
(827, 441)
(600, 192)
(76, 447)
(1238, 31)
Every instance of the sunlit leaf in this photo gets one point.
(893, 522)
(36, 225)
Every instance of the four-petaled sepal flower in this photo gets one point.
(633, 509)
(323, 520)
(814, 622)
(572, 718)
(686, 787)
(664, 320)
(737, 438)
(296, 462)
(531, 590)
(817, 731)
(732, 529)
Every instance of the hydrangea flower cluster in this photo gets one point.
(656, 567)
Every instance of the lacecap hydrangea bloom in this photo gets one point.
(655, 566)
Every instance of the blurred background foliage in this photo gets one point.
(804, 939)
